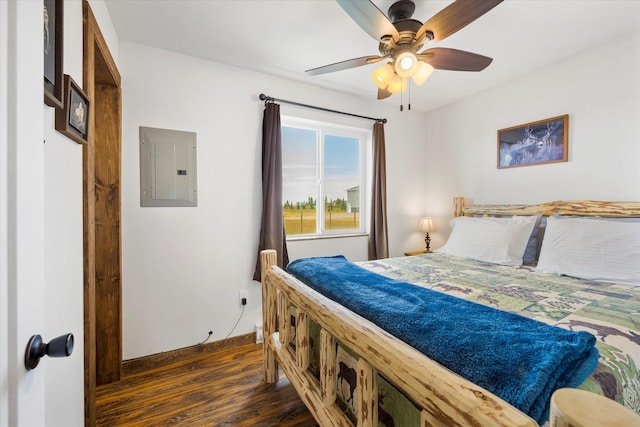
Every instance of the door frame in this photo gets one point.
(101, 215)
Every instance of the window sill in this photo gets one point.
(325, 236)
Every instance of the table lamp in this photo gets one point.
(426, 226)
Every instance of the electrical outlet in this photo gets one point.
(244, 297)
(259, 334)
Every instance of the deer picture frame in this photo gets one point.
(73, 119)
(540, 142)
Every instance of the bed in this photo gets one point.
(349, 370)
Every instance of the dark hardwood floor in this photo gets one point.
(221, 388)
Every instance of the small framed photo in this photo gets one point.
(539, 142)
(53, 20)
(73, 119)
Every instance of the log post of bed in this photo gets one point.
(268, 259)
(458, 206)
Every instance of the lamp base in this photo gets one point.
(427, 241)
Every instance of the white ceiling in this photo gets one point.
(287, 37)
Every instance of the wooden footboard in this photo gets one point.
(444, 398)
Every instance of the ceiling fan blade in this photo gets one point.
(383, 93)
(443, 58)
(345, 65)
(456, 16)
(370, 18)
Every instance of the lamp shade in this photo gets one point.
(426, 225)
(422, 73)
(397, 84)
(382, 75)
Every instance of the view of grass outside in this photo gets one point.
(303, 221)
(299, 221)
(341, 220)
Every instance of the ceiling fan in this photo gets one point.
(401, 38)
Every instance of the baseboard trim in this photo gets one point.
(145, 363)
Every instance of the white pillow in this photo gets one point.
(589, 248)
(494, 240)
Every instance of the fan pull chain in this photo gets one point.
(402, 98)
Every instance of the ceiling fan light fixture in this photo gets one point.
(382, 75)
(397, 84)
(406, 64)
(422, 73)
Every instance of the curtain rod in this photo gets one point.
(266, 98)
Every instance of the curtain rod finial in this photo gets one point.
(266, 98)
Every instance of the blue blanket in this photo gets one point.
(521, 360)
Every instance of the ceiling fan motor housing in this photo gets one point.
(402, 9)
(400, 16)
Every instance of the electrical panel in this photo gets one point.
(168, 169)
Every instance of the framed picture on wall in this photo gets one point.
(539, 142)
(73, 119)
(53, 19)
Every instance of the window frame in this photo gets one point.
(365, 138)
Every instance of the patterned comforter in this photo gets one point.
(609, 311)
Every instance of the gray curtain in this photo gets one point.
(272, 235)
(378, 242)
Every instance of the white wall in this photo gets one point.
(183, 268)
(598, 89)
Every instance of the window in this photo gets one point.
(323, 171)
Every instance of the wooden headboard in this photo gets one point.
(561, 207)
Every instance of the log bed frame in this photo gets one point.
(444, 398)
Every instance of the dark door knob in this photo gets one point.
(61, 346)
